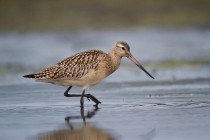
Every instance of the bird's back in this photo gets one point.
(73, 67)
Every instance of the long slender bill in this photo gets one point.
(139, 65)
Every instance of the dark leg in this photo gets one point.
(88, 96)
(66, 92)
(82, 99)
(93, 98)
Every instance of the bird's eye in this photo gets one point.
(123, 48)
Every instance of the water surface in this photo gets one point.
(174, 106)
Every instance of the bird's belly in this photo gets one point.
(90, 79)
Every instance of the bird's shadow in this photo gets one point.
(86, 132)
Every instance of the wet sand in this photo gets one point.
(133, 110)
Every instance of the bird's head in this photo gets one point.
(122, 49)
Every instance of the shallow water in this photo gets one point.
(128, 111)
(175, 106)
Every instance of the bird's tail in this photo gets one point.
(29, 76)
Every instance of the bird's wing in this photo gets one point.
(73, 67)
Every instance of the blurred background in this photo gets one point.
(171, 38)
(63, 15)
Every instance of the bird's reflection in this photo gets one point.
(86, 132)
(89, 115)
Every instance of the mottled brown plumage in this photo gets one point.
(79, 70)
(86, 69)
(73, 67)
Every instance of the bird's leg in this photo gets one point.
(66, 92)
(70, 95)
(88, 96)
(82, 99)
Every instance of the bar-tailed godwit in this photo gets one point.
(86, 69)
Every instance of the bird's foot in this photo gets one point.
(94, 99)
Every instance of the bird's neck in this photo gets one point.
(115, 60)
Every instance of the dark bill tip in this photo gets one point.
(140, 66)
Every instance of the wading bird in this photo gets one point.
(86, 69)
